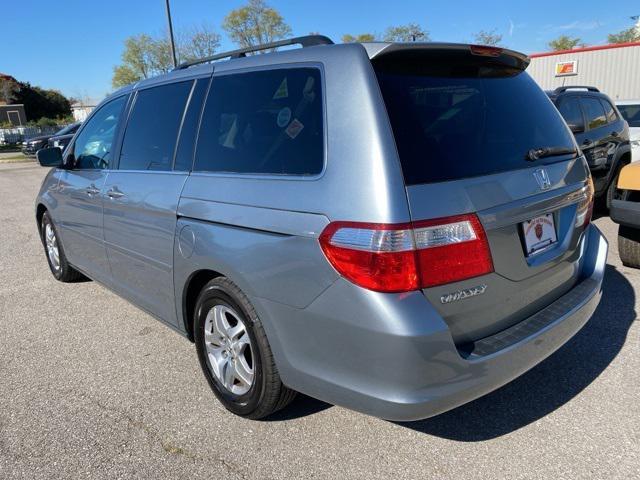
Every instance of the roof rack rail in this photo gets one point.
(306, 41)
(575, 87)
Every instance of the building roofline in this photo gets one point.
(585, 49)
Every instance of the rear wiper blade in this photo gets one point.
(536, 153)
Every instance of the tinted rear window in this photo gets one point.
(263, 122)
(631, 114)
(452, 123)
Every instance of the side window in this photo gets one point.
(609, 111)
(93, 146)
(264, 122)
(594, 112)
(152, 130)
(571, 112)
(189, 130)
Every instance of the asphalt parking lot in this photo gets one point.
(92, 387)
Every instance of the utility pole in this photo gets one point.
(171, 42)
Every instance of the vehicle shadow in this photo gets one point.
(301, 406)
(550, 384)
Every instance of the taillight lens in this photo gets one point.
(585, 207)
(410, 256)
(451, 249)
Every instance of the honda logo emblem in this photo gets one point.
(542, 177)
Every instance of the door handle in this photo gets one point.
(92, 190)
(115, 193)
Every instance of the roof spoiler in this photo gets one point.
(495, 55)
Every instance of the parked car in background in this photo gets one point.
(625, 211)
(395, 228)
(32, 145)
(601, 132)
(630, 110)
(61, 140)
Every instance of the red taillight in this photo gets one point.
(409, 256)
(451, 249)
(585, 207)
(485, 50)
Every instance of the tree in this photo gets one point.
(145, 56)
(484, 37)
(411, 32)
(254, 24)
(39, 102)
(564, 42)
(197, 42)
(8, 90)
(361, 37)
(629, 35)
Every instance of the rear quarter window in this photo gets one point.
(594, 111)
(263, 122)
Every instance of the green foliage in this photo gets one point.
(629, 35)
(563, 42)
(145, 56)
(361, 37)
(484, 37)
(411, 32)
(39, 102)
(254, 24)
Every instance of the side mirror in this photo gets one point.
(576, 128)
(50, 157)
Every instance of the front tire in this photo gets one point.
(629, 246)
(57, 260)
(234, 353)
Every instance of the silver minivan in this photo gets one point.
(395, 228)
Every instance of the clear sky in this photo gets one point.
(72, 45)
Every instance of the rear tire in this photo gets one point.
(57, 260)
(222, 302)
(629, 246)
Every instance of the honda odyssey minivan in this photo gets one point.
(394, 228)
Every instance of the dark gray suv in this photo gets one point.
(396, 228)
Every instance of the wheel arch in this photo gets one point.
(40, 209)
(193, 286)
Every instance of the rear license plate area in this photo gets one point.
(539, 233)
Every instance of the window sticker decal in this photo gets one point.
(284, 117)
(294, 128)
(282, 91)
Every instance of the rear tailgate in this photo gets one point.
(521, 284)
(465, 124)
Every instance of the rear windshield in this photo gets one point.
(452, 123)
(631, 113)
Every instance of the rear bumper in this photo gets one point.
(626, 213)
(393, 356)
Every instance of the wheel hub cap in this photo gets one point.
(51, 244)
(229, 349)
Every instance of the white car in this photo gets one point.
(630, 110)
